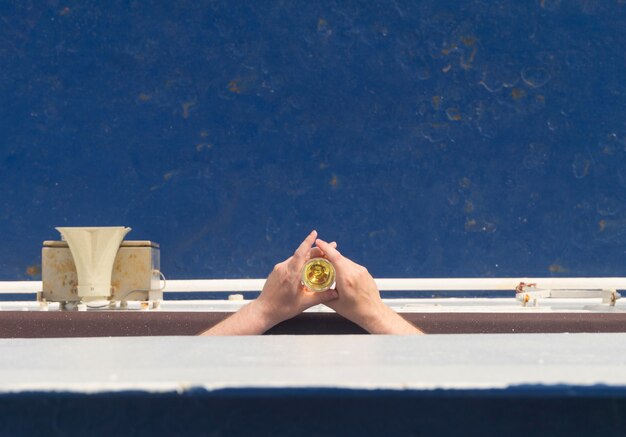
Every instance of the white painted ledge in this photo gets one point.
(154, 364)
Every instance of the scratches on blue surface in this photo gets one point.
(227, 131)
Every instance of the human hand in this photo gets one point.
(283, 295)
(359, 299)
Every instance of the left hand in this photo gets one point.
(283, 295)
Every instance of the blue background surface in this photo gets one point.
(556, 411)
(464, 138)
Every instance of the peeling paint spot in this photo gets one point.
(64, 11)
(453, 114)
(602, 225)
(468, 41)
(187, 106)
(466, 64)
(323, 28)
(169, 175)
(33, 270)
(446, 51)
(436, 102)
(203, 146)
(446, 68)
(556, 268)
(233, 86)
(144, 97)
(472, 225)
(469, 207)
(334, 181)
(517, 93)
(204, 134)
(323, 165)
(465, 183)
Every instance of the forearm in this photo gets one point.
(387, 321)
(251, 319)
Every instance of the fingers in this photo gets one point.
(324, 297)
(300, 255)
(330, 252)
(316, 252)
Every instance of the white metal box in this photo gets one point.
(135, 276)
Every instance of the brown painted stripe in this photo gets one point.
(27, 324)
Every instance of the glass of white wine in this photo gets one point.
(318, 274)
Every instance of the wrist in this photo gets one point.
(390, 322)
(376, 319)
(263, 313)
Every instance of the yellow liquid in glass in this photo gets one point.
(318, 274)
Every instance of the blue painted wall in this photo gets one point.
(478, 138)
(556, 411)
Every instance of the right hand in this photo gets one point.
(359, 299)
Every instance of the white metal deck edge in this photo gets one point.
(461, 362)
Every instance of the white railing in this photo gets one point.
(384, 284)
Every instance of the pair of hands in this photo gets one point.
(356, 296)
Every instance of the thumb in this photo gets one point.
(325, 296)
